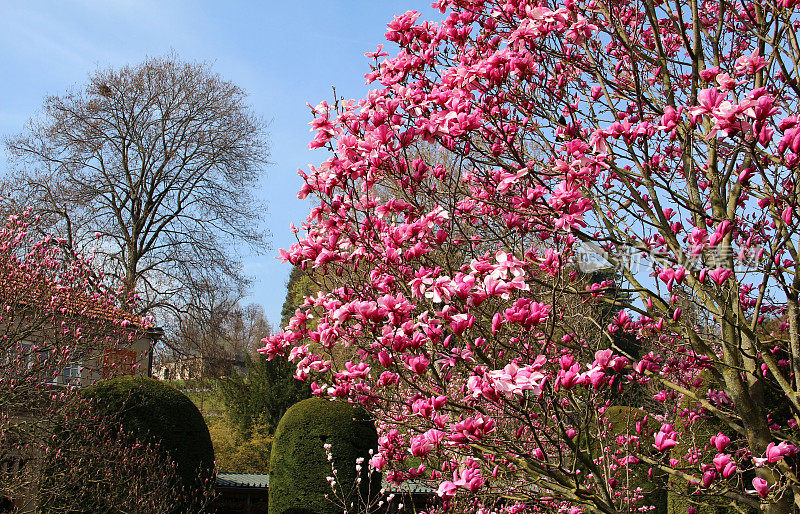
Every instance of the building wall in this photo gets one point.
(186, 368)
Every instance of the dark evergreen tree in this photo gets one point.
(269, 387)
(263, 395)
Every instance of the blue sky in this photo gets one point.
(284, 53)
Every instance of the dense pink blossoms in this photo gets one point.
(450, 236)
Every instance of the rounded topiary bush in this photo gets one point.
(152, 411)
(90, 462)
(298, 464)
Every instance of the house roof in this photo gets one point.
(21, 287)
(244, 480)
(261, 481)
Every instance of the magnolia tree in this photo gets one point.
(56, 312)
(657, 138)
(59, 321)
(89, 463)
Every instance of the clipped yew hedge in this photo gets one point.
(155, 412)
(298, 463)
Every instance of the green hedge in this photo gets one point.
(154, 411)
(298, 464)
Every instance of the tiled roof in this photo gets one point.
(22, 289)
(242, 480)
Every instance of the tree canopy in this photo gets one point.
(661, 136)
(152, 168)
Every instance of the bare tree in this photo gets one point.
(217, 328)
(151, 167)
(248, 326)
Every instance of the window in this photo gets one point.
(72, 374)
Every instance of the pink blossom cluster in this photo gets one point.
(444, 240)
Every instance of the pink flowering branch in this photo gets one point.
(450, 238)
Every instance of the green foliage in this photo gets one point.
(269, 388)
(299, 286)
(298, 465)
(153, 411)
(205, 394)
(236, 454)
(263, 396)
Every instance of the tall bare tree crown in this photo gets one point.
(154, 167)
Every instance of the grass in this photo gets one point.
(205, 394)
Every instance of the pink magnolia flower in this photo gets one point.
(435, 437)
(721, 460)
(596, 377)
(497, 321)
(461, 322)
(666, 438)
(709, 74)
(417, 363)
(569, 378)
(513, 380)
(720, 275)
(749, 64)
(581, 30)
(761, 486)
(777, 452)
(670, 120)
(722, 230)
(420, 446)
(378, 462)
(708, 477)
(720, 441)
(447, 489)
(760, 105)
(730, 469)
(469, 478)
(472, 428)
(388, 378)
(726, 82)
(385, 359)
(708, 100)
(527, 312)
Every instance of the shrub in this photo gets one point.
(237, 454)
(298, 465)
(263, 395)
(89, 463)
(153, 411)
